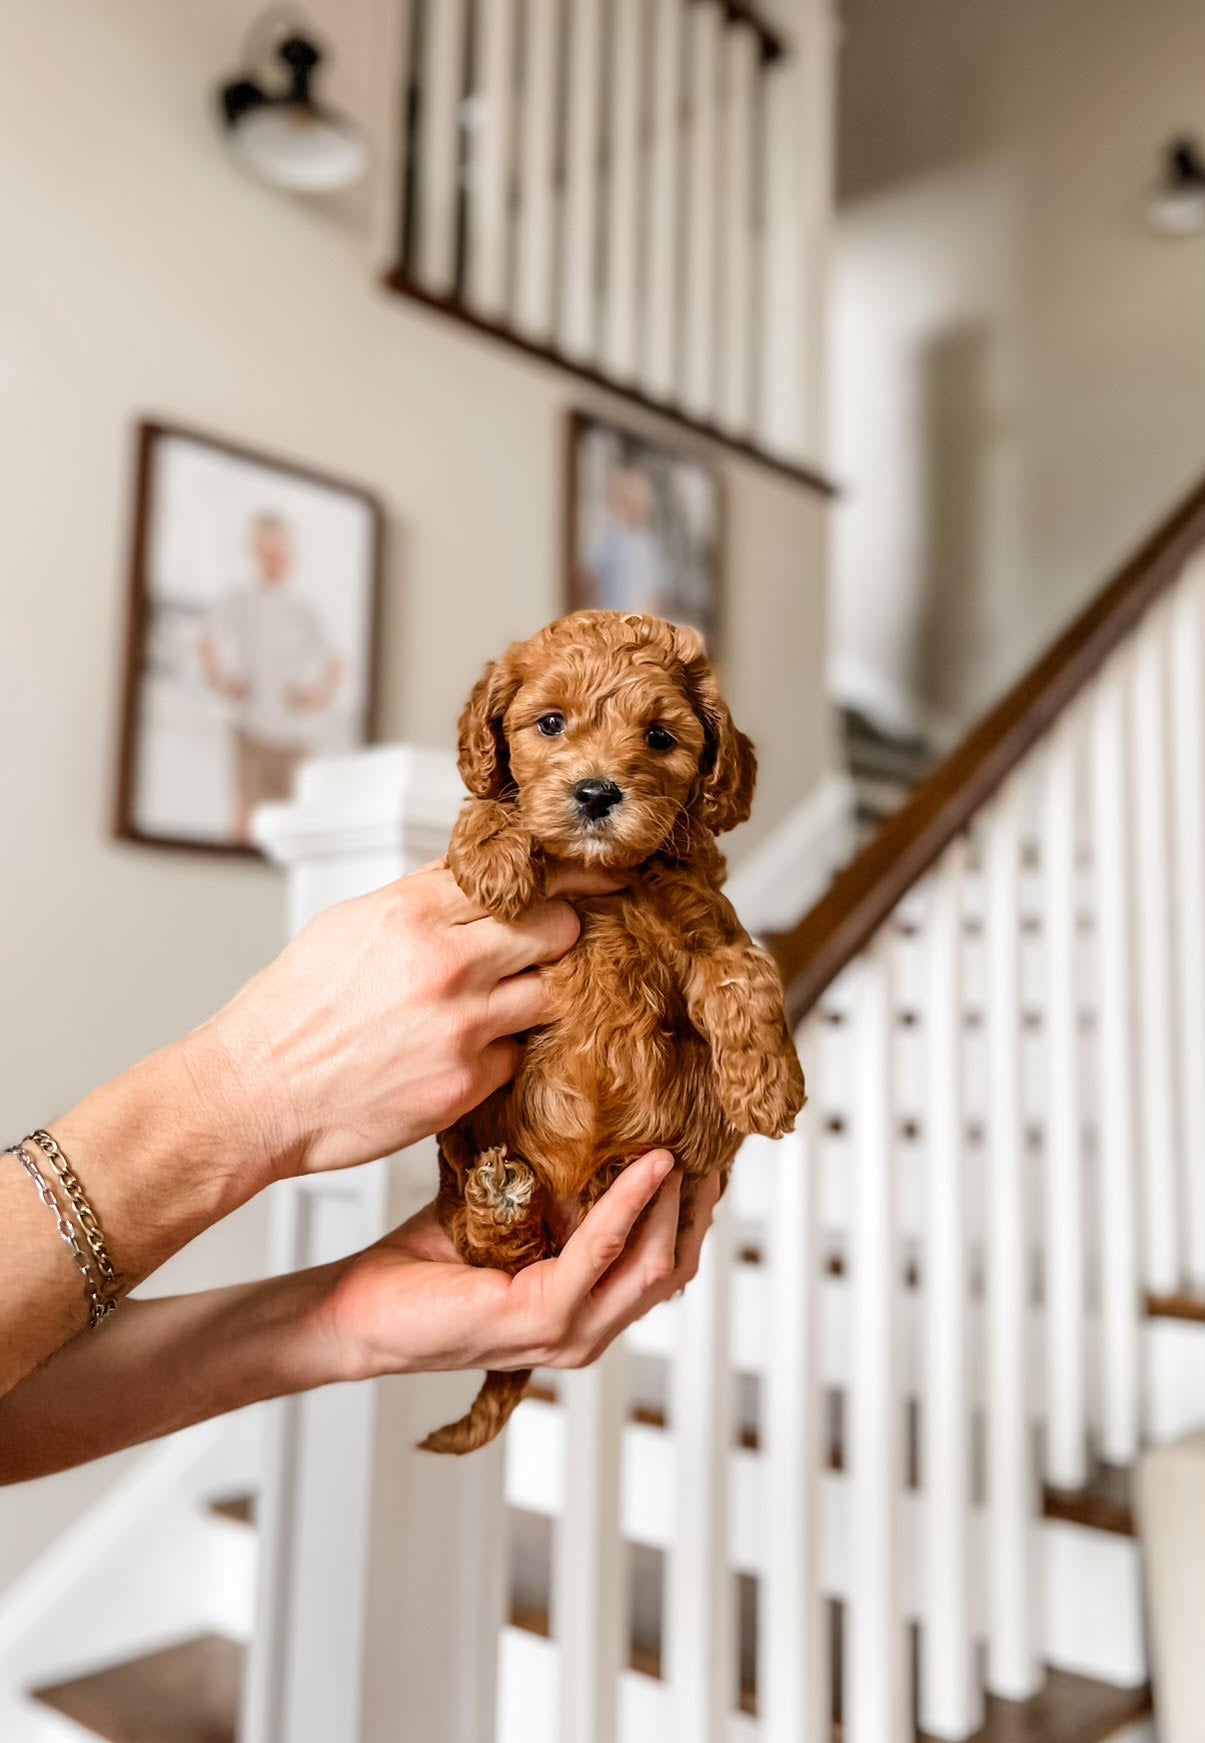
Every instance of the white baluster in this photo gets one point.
(624, 239)
(951, 1704)
(1117, 1208)
(533, 294)
(343, 1483)
(876, 1702)
(387, 119)
(663, 307)
(590, 1576)
(699, 381)
(489, 203)
(742, 53)
(1153, 947)
(793, 1686)
(1187, 625)
(1013, 1669)
(798, 99)
(579, 322)
(1064, 1300)
(439, 168)
(700, 1648)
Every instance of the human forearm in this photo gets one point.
(407, 1305)
(159, 1366)
(161, 1154)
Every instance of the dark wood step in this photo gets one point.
(184, 1694)
(239, 1508)
(1106, 1504)
(1068, 1709)
(1190, 1307)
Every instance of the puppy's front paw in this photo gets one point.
(492, 860)
(763, 1093)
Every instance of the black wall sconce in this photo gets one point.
(282, 133)
(1175, 206)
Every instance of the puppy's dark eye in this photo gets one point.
(657, 738)
(551, 725)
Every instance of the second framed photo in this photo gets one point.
(644, 526)
(252, 633)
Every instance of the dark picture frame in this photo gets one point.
(644, 526)
(159, 664)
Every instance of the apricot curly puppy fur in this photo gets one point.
(604, 741)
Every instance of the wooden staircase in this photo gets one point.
(190, 1692)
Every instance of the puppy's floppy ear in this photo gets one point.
(484, 760)
(728, 768)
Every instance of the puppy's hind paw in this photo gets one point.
(499, 1189)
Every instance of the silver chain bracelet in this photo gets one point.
(98, 1305)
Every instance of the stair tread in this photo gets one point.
(1180, 1306)
(1104, 1504)
(183, 1694)
(1067, 1709)
(239, 1508)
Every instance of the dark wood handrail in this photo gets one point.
(841, 923)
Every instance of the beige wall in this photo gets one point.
(140, 272)
(1019, 365)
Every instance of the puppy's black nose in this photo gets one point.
(596, 798)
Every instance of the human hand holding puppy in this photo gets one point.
(405, 1306)
(383, 1019)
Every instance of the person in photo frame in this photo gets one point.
(264, 650)
(626, 560)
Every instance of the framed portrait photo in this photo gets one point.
(644, 529)
(252, 630)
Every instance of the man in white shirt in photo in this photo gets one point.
(264, 650)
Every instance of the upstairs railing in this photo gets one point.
(636, 190)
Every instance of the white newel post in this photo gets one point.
(381, 1590)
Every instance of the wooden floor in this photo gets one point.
(186, 1694)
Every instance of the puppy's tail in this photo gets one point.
(488, 1415)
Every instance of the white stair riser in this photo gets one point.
(1175, 1379)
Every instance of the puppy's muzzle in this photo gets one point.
(596, 799)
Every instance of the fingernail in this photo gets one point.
(663, 1164)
